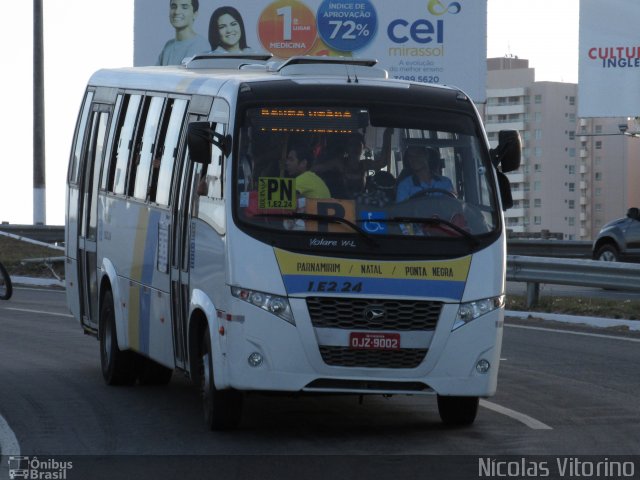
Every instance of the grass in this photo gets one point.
(14, 252)
(590, 307)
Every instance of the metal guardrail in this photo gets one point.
(43, 233)
(550, 248)
(575, 272)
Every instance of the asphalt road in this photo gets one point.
(560, 393)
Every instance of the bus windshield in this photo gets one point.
(385, 170)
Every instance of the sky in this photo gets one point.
(82, 36)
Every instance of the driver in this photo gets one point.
(423, 176)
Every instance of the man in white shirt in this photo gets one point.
(182, 14)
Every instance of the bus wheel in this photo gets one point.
(118, 366)
(222, 408)
(152, 373)
(457, 411)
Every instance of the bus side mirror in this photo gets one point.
(505, 191)
(508, 152)
(200, 137)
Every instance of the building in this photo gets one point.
(576, 174)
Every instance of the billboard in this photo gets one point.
(432, 41)
(609, 67)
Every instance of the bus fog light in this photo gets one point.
(255, 359)
(483, 366)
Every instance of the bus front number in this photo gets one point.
(331, 286)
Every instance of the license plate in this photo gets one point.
(374, 341)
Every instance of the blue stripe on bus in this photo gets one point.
(148, 268)
(379, 286)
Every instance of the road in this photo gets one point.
(559, 393)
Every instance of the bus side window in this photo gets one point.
(167, 151)
(209, 192)
(120, 157)
(142, 158)
(214, 171)
(106, 179)
(79, 140)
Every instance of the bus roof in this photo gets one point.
(205, 74)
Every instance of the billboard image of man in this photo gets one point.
(182, 14)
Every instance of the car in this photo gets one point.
(619, 240)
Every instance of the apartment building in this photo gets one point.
(576, 174)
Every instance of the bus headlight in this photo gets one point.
(279, 306)
(472, 310)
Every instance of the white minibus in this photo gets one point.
(303, 226)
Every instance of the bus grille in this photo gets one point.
(347, 357)
(349, 313)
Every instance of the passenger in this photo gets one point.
(421, 162)
(345, 163)
(308, 184)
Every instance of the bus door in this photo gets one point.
(88, 215)
(181, 252)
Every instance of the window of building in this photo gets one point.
(538, 134)
(537, 220)
(537, 99)
(598, 129)
(536, 186)
(537, 152)
(571, 204)
(571, 221)
(572, 100)
(598, 192)
(598, 207)
(572, 135)
(598, 176)
(537, 167)
(571, 169)
(572, 187)
(598, 144)
(537, 202)
(572, 152)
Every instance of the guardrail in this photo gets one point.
(576, 272)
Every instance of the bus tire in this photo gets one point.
(222, 408)
(6, 287)
(152, 373)
(118, 366)
(458, 411)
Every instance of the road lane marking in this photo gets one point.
(26, 310)
(573, 332)
(520, 417)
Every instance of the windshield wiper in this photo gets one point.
(435, 221)
(323, 218)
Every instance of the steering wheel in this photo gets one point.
(429, 191)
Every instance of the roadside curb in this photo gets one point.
(599, 322)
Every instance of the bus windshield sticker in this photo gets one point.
(276, 192)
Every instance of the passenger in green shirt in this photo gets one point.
(298, 164)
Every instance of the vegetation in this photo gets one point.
(13, 254)
(590, 307)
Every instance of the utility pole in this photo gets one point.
(39, 183)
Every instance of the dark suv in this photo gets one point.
(619, 240)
